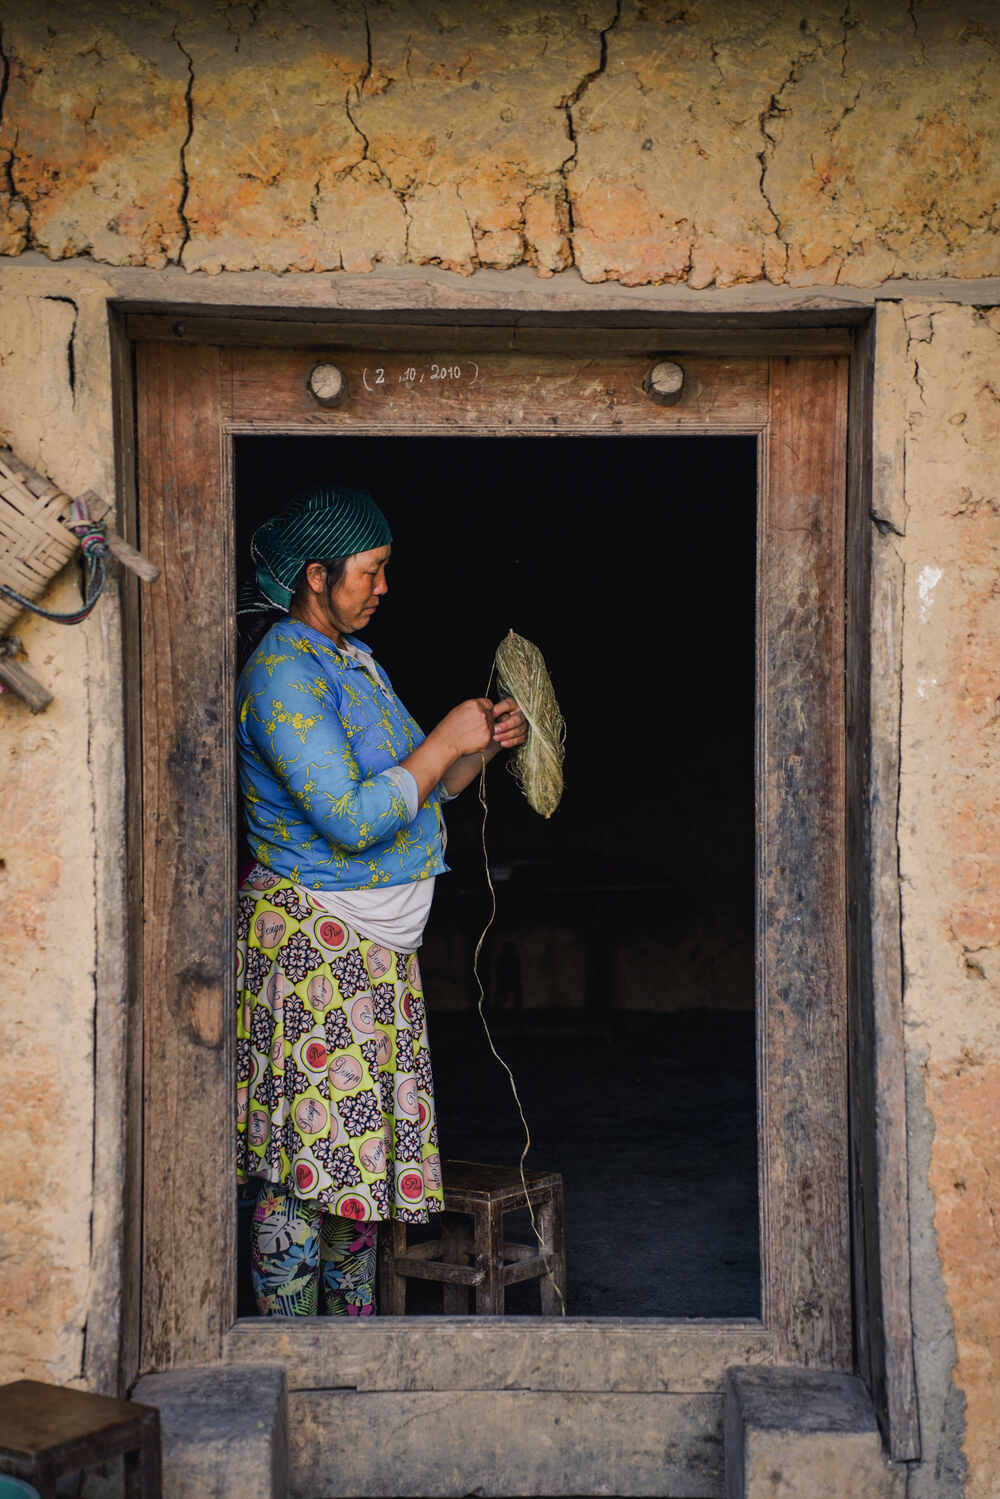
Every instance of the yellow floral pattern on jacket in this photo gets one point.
(315, 735)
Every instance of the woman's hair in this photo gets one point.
(252, 627)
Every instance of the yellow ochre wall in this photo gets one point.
(705, 157)
(708, 144)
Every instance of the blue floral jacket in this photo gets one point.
(314, 732)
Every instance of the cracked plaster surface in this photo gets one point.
(92, 122)
(53, 344)
(638, 140)
(949, 822)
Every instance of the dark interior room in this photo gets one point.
(619, 972)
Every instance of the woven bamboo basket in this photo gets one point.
(35, 542)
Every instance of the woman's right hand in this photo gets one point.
(468, 729)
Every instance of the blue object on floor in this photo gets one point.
(16, 1488)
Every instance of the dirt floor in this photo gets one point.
(650, 1119)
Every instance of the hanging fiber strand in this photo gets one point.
(522, 675)
(538, 765)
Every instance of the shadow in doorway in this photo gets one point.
(620, 974)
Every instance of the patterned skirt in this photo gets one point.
(334, 1093)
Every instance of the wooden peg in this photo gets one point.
(327, 384)
(665, 383)
(120, 548)
(14, 678)
(130, 558)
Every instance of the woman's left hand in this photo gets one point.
(510, 728)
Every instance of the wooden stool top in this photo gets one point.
(475, 1182)
(36, 1418)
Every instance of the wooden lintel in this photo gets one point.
(673, 336)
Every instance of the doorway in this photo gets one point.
(619, 973)
(534, 1386)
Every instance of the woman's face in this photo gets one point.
(347, 606)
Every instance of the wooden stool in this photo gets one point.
(485, 1193)
(47, 1431)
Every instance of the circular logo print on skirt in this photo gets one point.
(330, 933)
(432, 1171)
(350, 1206)
(372, 1155)
(306, 1177)
(406, 1096)
(378, 961)
(270, 928)
(314, 1055)
(406, 1006)
(425, 1114)
(277, 991)
(345, 1072)
(258, 1127)
(363, 1015)
(383, 1048)
(411, 1186)
(310, 1115)
(320, 992)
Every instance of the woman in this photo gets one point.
(342, 795)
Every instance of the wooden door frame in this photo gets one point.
(688, 1357)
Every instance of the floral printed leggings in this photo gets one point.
(296, 1248)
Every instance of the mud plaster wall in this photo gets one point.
(710, 143)
(60, 881)
(707, 143)
(940, 401)
(937, 413)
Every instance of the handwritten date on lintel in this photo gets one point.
(378, 376)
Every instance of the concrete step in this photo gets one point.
(225, 1431)
(804, 1434)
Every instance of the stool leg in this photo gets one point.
(134, 1488)
(552, 1227)
(489, 1257)
(392, 1241)
(142, 1470)
(456, 1246)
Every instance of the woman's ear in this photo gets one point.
(316, 577)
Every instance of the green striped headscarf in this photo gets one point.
(317, 527)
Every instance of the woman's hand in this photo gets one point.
(510, 728)
(509, 731)
(469, 728)
(455, 749)
(462, 737)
